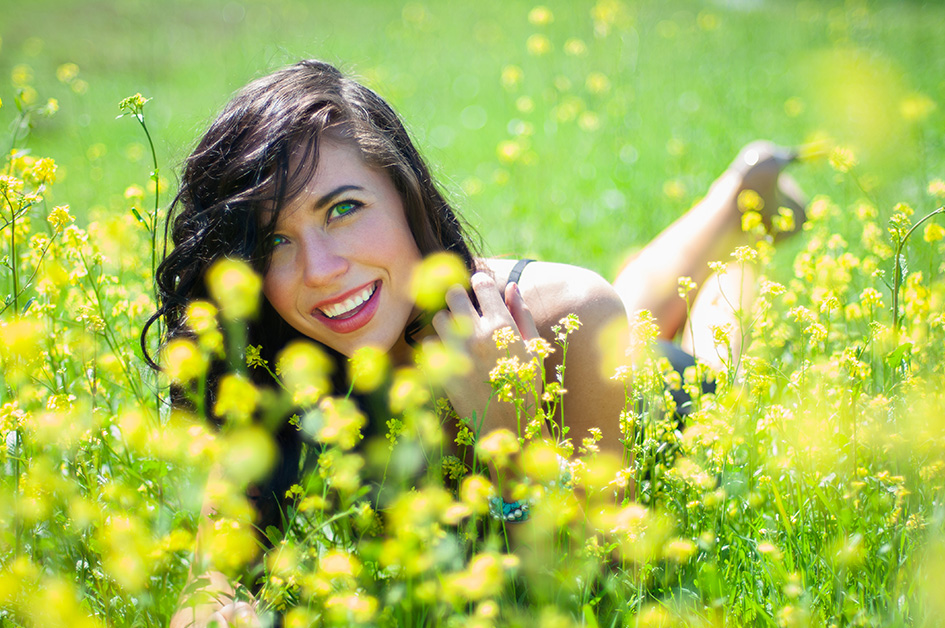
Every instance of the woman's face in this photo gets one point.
(343, 255)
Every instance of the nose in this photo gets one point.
(323, 261)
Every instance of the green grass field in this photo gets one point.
(808, 491)
(684, 85)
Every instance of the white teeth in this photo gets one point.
(339, 309)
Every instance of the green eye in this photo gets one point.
(276, 240)
(344, 208)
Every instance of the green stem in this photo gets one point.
(897, 276)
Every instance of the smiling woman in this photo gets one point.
(311, 178)
(342, 251)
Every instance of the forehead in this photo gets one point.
(338, 165)
(336, 161)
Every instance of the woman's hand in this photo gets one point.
(464, 329)
(237, 615)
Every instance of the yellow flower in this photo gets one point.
(247, 454)
(237, 398)
(679, 550)
(351, 608)
(575, 48)
(304, 369)
(933, 232)
(842, 159)
(483, 578)
(475, 492)
(511, 76)
(133, 104)
(503, 337)
(339, 564)
(498, 446)
(750, 201)
(509, 151)
(183, 362)
(436, 274)
(768, 549)
(369, 368)
(541, 16)
(336, 421)
(134, 193)
(597, 83)
(440, 363)
(67, 72)
(745, 254)
(538, 45)
(539, 347)
(916, 107)
(235, 287)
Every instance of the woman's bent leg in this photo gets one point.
(707, 232)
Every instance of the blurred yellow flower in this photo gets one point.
(597, 83)
(67, 72)
(351, 608)
(236, 398)
(436, 274)
(483, 578)
(235, 287)
(498, 446)
(370, 367)
(679, 550)
(842, 159)
(541, 16)
(575, 47)
(183, 361)
(538, 45)
(304, 369)
(916, 107)
(511, 76)
(475, 492)
(933, 232)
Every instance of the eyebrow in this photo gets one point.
(341, 189)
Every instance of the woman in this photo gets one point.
(312, 177)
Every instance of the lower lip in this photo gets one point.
(355, 322)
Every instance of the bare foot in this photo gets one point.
(759, 166)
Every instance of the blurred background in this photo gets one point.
(569, 131)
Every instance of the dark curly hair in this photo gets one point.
(243, 166)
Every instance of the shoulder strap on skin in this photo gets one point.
(516, 273)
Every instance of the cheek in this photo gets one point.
(274, 289)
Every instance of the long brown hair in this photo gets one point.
(243, 166)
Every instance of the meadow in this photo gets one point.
(807, 491)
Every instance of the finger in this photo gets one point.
(452, 329)
(520, 313)
(239, 615)
(459, 303)
(490, 299)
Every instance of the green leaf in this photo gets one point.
(137, 215)
(897, 356)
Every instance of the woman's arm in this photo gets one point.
(209, 595)
(547, 293)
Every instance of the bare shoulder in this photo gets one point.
(552, 291)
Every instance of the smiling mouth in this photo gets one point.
(350, 306)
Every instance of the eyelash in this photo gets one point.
(355, 206)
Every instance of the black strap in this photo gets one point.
(516, 273)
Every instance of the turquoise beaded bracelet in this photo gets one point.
(511, 512)
(518, 511)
